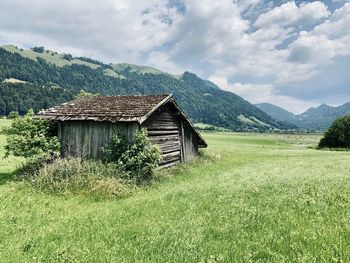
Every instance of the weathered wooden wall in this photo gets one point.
(164, 129)
(190, 147)
(86, 138)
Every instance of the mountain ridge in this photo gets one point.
(202, 100)
(314, 118)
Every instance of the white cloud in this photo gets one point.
(289, 14)
(316, 49)
(118, 30)
(338, 24)
(162, 60)
(207, 30)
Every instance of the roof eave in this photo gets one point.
(75, 118)
(203, 142)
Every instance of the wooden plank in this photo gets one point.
(165, 112)
(161, 141)
(164, 137)
(162, 132)
(156, 124)
(169, 144)
(168, 160)
(164, 127)
(170, 157)
(160, 128)
(171, 154)
(190, 143)
(163, 123)
(166, 118)
(164, 140)
(183, 149)
(159, 125)
(164, 115)
(167, 165)
(170, 149)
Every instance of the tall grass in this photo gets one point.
(74, 175)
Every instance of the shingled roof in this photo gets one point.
(107, 108)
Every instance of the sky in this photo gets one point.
(294, 54)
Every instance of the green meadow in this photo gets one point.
(250, 198)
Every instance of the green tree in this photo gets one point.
(2, 107)
(13, 115)
(38, 49)
(68, 57)
(338, 135)
(31, 138)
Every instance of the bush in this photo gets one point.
(38, 49)
(13, 115)
(115, 149)
(68, 57)
(138, 158)
(83, 93)
(92, 61)
(31, 138)
(338, 135)
(77, 176)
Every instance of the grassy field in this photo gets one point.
(258, 198)
(202, 126)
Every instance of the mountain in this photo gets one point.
(317, 112)
(319, 118)
(25, 74)
(276, 112)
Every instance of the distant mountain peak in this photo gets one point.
(317, 111)
(324, 106)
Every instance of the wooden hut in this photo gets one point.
(87, 124)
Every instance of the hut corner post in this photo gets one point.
(182, 136)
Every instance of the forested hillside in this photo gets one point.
(50, 78)
(23, 96)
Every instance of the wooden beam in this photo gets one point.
(183, 151)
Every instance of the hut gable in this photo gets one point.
(86, 124)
